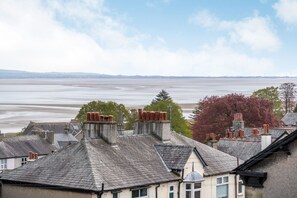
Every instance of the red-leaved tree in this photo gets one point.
(215, 114)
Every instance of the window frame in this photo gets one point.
(193, 189)
(3, 164)
(171, 191)
(240, 181)
(223, 183)
(24, 160)
(139, 193)
(116, 193)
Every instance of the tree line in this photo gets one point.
(213, 114)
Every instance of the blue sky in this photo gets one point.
(150, 37)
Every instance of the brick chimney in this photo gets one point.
(153, 122)
(100, 126)
(32, 156)
(265, 137)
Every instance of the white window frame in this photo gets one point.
(118, 194)
(146, 196)
(170, 191)
(3, 164)
(240, 181)
(223, 183)
(193, 189)
(24, 160)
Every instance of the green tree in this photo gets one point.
(162, 95)
(178, 122)
(271, 94)
(107, 108)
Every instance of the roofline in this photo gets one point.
(65, 188)
(25, 156)
(279, 145)
(47, 186)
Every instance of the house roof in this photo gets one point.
(20, 146)
(133, 161)
(290, 119)
(174, 156)
(63, 139)
(275, 132)
(56, 127)
(281, 144)
(243, 149)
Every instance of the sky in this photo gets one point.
(150, 37)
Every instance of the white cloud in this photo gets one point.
(256, 32)
(32, 38)
(286, 10)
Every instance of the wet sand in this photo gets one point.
(49, 100)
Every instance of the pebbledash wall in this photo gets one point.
(281, 175)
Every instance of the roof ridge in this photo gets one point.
(97, 186)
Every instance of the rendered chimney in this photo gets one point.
(100, 126)
(265, 137)
(238, 123)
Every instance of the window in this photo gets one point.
(193, 190)
(171, 192)
(140, 193)
(115, 195)
(222, 187)
(3, 164)
(24, 161)
(240, 183)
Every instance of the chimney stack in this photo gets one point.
(101, 126)
(238, 123)
(154, 122)
(265, 137)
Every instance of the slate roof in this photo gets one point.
(132, 162)
(217, 161)
(20, 146)
(174, 156)
(56, 127)
(290, 119)
(64, 139)
(275, 132)
(239, 148)
(245, 148)
(274, 147)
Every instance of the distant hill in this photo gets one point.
(12, 74)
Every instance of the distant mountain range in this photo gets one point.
(12, 74)
(17, 74)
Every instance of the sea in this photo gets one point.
(57, 100)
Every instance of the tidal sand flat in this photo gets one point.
(48, 100)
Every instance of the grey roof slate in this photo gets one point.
(56, 127)
(64, 139)
(290, 119)
(20, 146)
(174, 156)
(217, 161)
(239, 148)
(132, 162)
(275, 132)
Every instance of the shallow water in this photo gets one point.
(23, 100)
